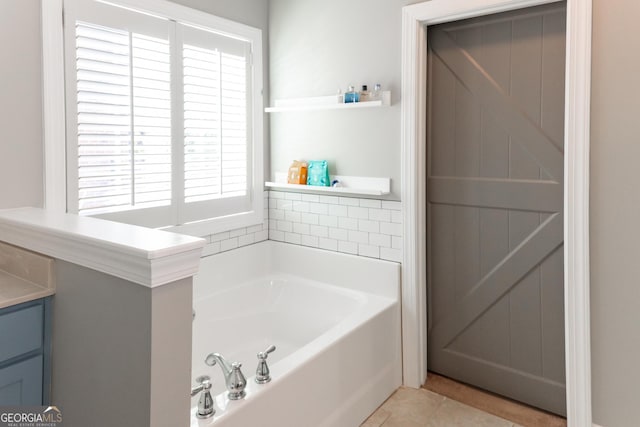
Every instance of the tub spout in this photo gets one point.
(233, 377)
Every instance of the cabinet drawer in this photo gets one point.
(20, 332)
(21, 383)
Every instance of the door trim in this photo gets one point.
(415, 19)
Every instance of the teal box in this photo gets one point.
(318, 173)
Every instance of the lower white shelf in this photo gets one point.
(351, 185)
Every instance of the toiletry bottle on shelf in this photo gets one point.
(376, 94)
(365, 94)
(351, 96)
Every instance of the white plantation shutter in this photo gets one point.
(159, 118)
(124, 120)
(217, 144)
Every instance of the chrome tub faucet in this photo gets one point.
(234, 379)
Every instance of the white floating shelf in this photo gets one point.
(325, 103)
(351, 185)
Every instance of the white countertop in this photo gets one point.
(141, 255)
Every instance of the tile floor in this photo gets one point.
(423, 408)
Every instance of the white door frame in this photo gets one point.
(415, 19)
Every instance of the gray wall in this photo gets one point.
(120, 351)
(21, 166)
(615, 209)
(318, 47)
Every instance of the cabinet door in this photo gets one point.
(21, 383)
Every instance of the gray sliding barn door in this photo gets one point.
(495, 199)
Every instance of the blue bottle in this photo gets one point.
(351, 96)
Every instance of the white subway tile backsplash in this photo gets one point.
(310, 241)
(319, 208)
(338, 234)
(247, 239)
(396, 242)
(309, 218)
(211, 249)
(285, 205)
(293, 196)
(396, 216)
(330, 200)
(301, 228)
(276, 214)
(358, 236)
(358, 212)
(301, 206)
(229, 244)
(276, 235)
(394, 206)
(238, 232)
(365, 227)
(348, 247)
(292, 238)
(292, 216)
(391, 254)
(382, 240)
(328, 220)
(380, 215)
(338, 210)
(285, 226)
(255, 228)
(370, 203)
(391, 228)
(348, 201)
(369, 251)
(348, 223)
(319, 230)
(262, 235)
(370, 226)
(328, 244)
(220, 236)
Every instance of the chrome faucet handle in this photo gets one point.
(263, 374)
(205, 403)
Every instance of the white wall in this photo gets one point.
(318, 47)
(21, 165)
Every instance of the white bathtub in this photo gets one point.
(334, 319)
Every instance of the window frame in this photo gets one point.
(54, 111)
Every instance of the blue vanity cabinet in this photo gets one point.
(25, 347)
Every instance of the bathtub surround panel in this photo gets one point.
(121, 351)
(365, 227)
